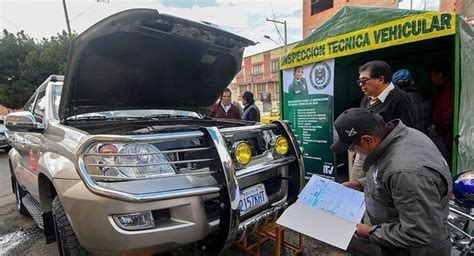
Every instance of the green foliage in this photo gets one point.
(25, 63)
(15, 95)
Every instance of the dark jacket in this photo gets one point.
(397, 105)
(422, 109)
(218, 111)
(407, 191)
(251, 113)
(443, 113)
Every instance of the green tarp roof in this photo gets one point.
(352, 18)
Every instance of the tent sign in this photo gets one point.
(406, 30)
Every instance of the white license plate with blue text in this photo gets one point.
(252, 198)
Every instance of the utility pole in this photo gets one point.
(67, 17)
(284, 24)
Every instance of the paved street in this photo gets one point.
(19, 235)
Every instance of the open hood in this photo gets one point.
(140, 59)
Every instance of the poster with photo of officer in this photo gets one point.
(315, 78)
(308, 104)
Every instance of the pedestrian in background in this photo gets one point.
(421, 107)
(251, 111)
(407, 187)
(224, 107)
(443, 107)
(381, 96)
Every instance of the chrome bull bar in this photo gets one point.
(232, 185)
(251, 225)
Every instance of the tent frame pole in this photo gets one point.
(457, 87)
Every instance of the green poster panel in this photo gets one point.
(308, 93)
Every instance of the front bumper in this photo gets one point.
(91, 218)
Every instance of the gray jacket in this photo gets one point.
(407, 191)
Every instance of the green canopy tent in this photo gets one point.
(404, 39)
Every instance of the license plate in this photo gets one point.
(251, 198)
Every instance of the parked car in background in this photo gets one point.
(114, 157)
(4, 143)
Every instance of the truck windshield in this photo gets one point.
(136, 113)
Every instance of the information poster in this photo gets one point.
(308, 104)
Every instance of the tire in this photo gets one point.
(67, 240)
(19, 194)
(7, 149)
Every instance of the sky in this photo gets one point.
(247, 18)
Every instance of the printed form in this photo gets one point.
(327, 211)
(333, 198)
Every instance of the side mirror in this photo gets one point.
(22, 121)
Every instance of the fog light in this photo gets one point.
(135, 221)
(242, 152)
(281, 145)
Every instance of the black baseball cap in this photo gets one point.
(351, 125)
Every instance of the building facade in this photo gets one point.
(260, 75)
(316, 12)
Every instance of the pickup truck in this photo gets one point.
(114, 157)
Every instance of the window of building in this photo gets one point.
(275, 65)
(432, 5)
(261, 88)
(257, 69)
(243, 88)
(241, 72)
(318, 6)
(276, 95)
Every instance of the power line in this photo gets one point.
(273, 12)
(90, 7)
(9, 21)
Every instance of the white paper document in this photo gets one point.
(334, 198)
(327, 211)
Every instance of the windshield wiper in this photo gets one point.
(158, 116)
(78, 118)
(95, 118)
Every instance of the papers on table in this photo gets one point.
(327, 211)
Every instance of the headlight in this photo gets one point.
(242, 152)
(127, 161)
(281, 145)
(142, 160)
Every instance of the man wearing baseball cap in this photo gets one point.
(407, 185)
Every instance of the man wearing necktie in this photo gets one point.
(383, 98)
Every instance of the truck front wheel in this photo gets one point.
(67, 240)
